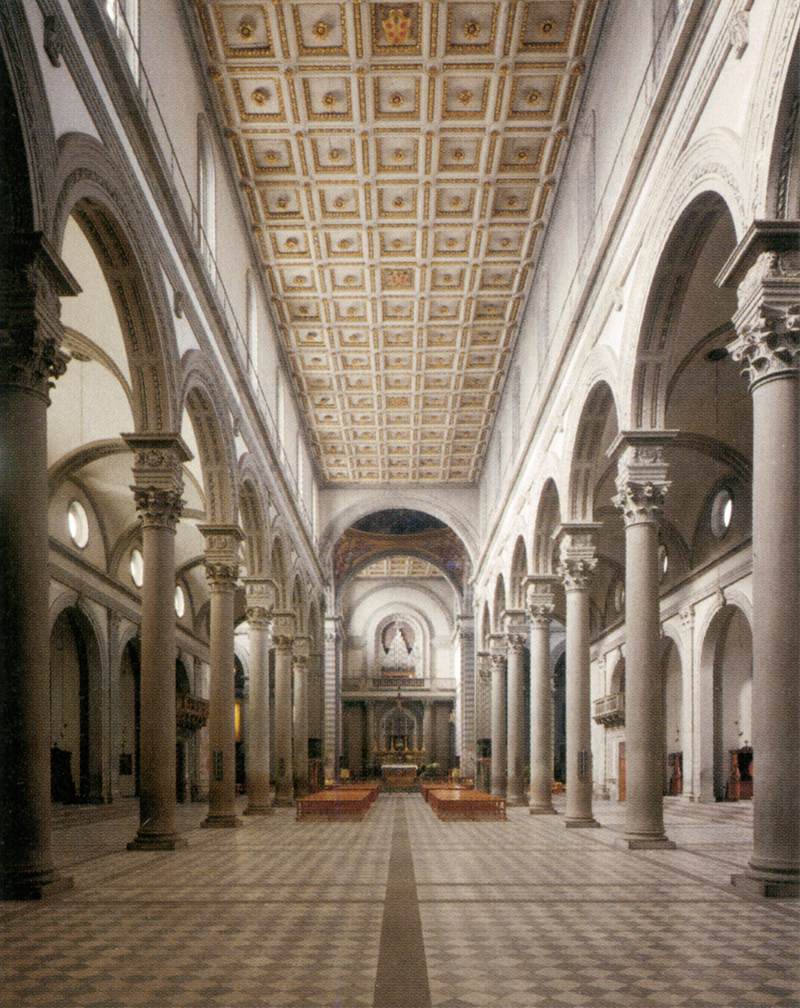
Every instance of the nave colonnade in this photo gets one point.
(653, 517)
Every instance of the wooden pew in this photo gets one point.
(337, 803)
(370, 788)
(452, 803)
(427, 786)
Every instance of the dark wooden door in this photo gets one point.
(621, 782)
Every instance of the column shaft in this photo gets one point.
(579, 726)
(221, 728)
(776, 635)
(300, 669)
(427, 733)
(259, 800)
(25, 857)
(541, 800)
(516, 720)
(498, 724)
(284, 768)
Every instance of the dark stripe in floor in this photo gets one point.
(402, 977)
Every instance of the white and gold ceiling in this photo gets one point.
(398, 160)
(401, 566)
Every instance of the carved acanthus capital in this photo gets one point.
(539, 599)
(261, 594)
(301, 649)
(765, 268)
(577, 555)
(259, 617)
(32, 279)
(768, 345)
(283, 632)
(516, 627)
(498, 653)
(222, 555)
(686, 616)
(497, 663)
(642, 481)
(158, 476)
(484, 668)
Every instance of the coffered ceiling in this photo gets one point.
(398, 161)
(401, 566)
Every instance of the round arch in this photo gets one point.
(597, 424)
(113, 217)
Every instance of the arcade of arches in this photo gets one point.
(400, 383)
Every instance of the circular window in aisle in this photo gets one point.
(77, 524)
(137, 567)
(180, 602)
(663, 562)
(619, 597)
(721, 512)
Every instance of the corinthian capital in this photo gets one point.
(577, 554)
(301, 648)
(765, 269)
(158, 477)
(539, 599)
(261, 595)
(484, 670)
(516, 627)
(642, 481)
(32, 279)
(222, 554)
(283, 632)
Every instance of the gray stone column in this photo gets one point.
(261, 595)
(300, 653)
(283, 639)
(32, 278)
(540, 602)
(371, 734)
(428, 743)
(516, 637)
(222, 572)
(641, 486)
(497, 658)
(158, 484)
(576, 545)
(465, 626)
(768, 348)
(332, 697)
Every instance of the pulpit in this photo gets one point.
(399, 776)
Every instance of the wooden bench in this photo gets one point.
(427, 786)
(338, 803)
(450, 803)
(370, 788)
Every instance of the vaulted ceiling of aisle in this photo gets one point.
(398, 160)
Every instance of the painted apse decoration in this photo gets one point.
(398, 162)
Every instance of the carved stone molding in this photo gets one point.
(158, 477)
(53, 41)
(769, 345)
(259, 617)
(642, 481)
(222, 554)
(483, 667)
(283, 625)
(516, 628)
(576, 543)
(261, 594)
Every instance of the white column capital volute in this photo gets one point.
(157, 475)
(540, 597)
(515, 624)
(576, 545)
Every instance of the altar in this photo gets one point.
(399, 776)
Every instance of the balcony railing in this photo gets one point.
(610, 710)
(388, 683)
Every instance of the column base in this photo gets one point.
(772, 888)
(157, 842)
(284, 801)
(542, 810)
(34, 885)
(582, 824)
(213, 821)
(515, 800)
(646, 843)
(258, 810)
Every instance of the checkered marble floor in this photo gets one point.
(523, 913)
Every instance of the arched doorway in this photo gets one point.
(76, 769)
(733, 690)
(560, 719)
(672, 678)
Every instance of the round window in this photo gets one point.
(77, 524)
(180, 602)
(721, 512)
(137, 567)
(663, 562)
(619, 597)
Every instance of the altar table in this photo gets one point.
(399, 776)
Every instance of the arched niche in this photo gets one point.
(400, 645)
